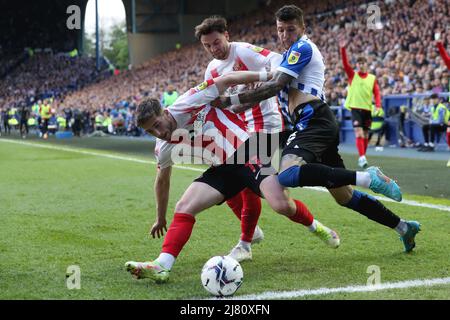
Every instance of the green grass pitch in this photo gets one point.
(60, 208)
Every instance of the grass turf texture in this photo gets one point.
(62, 208)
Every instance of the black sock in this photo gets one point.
(372, 209)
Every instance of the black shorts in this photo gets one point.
(361, 119)
(259, 145)
(316, 135)
(284, 136)
(230, 179)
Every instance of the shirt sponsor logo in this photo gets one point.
(200, 87)
(257, 49)
(293, 57)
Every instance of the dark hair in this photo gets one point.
(361, 59)
(211, 24)
(289, 13)
(434, 96)
(147, 109)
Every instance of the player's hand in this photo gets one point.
(158, 228)
(254, 85)
(342, 42)
(241, 108)
(219, 102)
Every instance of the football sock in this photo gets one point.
(251, 211)
(448, 138)
(302, 214)
(178, 234)
(360, 146)
(315, 174)
(236, 205)
(366, 144)
(363, 179)
(313, 226)
(373, 209)
(166, 260)
(402, 227)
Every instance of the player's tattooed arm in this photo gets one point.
(265, 91)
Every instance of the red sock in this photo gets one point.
(302, 215)
(251, 211)
(178, 234)
(448, 138)
(236, 204)
(360, 146)
(366, 144)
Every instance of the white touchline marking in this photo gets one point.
(349, 289)
(404, 201)
(118, 157)
(97, 154)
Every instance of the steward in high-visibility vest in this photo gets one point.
(99, 121)
(12, 115)
(107, 124)
(61, 122)
(32, 122)
(377, 118)
(169, 96)
(35, 109)
(440, 114)
(378, 126)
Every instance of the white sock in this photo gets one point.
(313, 226)
(166, 260)
(402, 227)
(246, 245)
(363, 179)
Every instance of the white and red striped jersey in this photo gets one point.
(204, 134)
(265, 116)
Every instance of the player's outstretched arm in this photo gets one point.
(265, 91)
(162, 188)
(240, 77)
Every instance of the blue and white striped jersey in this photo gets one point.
(304, 62)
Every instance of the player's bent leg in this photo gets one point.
(198, 197)
(316, 174)
(250, 212)
(250, 232)
(296, 211)
(236, 203)
(374, 210)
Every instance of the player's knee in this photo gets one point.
(290, 177)
(183, 205)
(282, 207)
(343, 200)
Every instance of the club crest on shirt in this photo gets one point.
(293, 57)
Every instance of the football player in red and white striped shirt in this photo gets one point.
(220, 182)
(263, 117)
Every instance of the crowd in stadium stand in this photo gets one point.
(402, 55)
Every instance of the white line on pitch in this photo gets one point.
(349, 289)
(118, 157)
